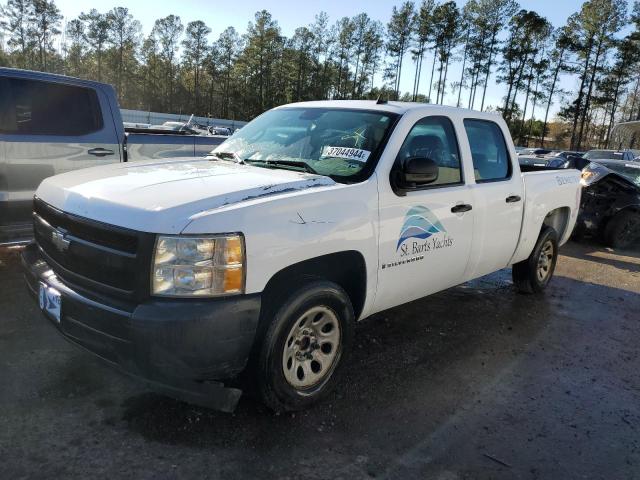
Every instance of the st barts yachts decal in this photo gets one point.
(421, 233)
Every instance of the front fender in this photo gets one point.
(288, 228)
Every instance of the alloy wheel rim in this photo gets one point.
(311, 348)
(545, 261)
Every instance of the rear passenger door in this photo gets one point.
(497, 196)
(48, 128)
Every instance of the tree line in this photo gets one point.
(176, 68)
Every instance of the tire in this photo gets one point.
(623, 230)
(533, 274)
(305, 346)
(578, 234)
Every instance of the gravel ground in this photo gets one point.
(474, 382)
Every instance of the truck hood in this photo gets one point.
(163, 196)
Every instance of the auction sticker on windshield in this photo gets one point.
(345, 152)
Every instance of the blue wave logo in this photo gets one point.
(419, 222)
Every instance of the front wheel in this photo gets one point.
(533, 274)
(623, 230)
(305, 346)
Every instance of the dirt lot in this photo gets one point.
(475, 382)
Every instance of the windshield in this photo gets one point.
(603, 155)
(339, 143)
(630, 171)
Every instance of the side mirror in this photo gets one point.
(418, 171)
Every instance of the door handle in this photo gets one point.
(465, 207)
(513, 199)
(100, 152)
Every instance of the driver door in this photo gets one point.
(425, 234)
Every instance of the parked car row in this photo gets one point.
(542, 157)
(569, 159)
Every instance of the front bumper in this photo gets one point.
(182, 347)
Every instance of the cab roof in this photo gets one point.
(391, 106)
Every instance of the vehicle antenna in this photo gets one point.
(380, 101)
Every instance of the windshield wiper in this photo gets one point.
(286, 163)
(227, 156)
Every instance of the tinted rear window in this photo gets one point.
(42, 108)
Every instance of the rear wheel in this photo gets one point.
(305, 346)
(623, 230)
(533, 274)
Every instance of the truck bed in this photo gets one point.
(548, 190)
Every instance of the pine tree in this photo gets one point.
(16, 21)
(195, 50)
(423, 24)
(557, 61)
(446, 23)
(399, 39)
(167, 32)
(591, 45)
(96, 33)
(123, 34)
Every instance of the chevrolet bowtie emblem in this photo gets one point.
(59, 239)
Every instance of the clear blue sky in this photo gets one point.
(294, 13)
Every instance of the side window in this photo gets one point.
(488, 149)
(44, 108)
(435, 138)
(7, 114)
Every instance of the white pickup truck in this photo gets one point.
(253, 265)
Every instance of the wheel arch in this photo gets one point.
(533, 223)
(558, 219)
(346, 268)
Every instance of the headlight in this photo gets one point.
(592, 173)
(198, 266)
